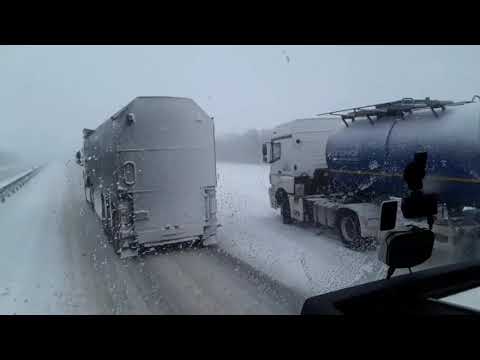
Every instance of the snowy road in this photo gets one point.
(54, 259)
(54, 256)
(309, 260)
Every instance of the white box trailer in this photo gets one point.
(150, 174)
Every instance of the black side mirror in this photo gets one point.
(78, 156)
(267, 152)
(406, 249)
(409, 247)
(402, 248)
(388, 215)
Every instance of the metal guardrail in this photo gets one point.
(12, 185)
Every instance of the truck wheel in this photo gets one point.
(200, 243)
(85, 189)
(114, 237)
(116, 243)
(285, 211)
(349, 228)
(103, 212)
(108, 216)
(92, 198)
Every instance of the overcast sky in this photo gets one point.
(48, 94)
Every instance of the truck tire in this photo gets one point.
(105, 224)
(116, 243)
(108, 214)
(114, 237)
(200, 243)
(349, 229)
(285, 211)
(92, 197)
(115, 240)
(111, 225)
(85, 189)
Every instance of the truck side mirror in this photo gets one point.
(403, 248)
(78, 158)
(267, 152)
(406, 249)
(131, 118)
(388, 221)
(388, 215)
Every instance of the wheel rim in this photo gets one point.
(349, 229)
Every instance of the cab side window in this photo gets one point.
(276, 151)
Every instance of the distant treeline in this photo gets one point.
(243, 148)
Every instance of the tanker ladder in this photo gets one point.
(394, 108)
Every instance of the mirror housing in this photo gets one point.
(131, 119)
(388, 215)
(403, 248)
(78, 157)
(267, 152)
(406, 249)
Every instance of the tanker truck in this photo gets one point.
(150, 174)
(335, 169)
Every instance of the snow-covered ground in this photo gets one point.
(55, 259)
(309, 260)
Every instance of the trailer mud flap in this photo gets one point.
(296, 207)
(273, 199)
(211, 240)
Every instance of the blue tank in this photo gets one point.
(368, 158)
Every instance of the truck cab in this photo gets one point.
(300, 182)
(295, 152)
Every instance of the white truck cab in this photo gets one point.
(296, 152)
(296, 149)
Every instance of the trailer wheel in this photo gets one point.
(92, 197)
(116, 243)
(104, 214)
(108, 216)
(114, 233)
(349, 228)
(111, 228)
(115, 240)
(200, 242)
